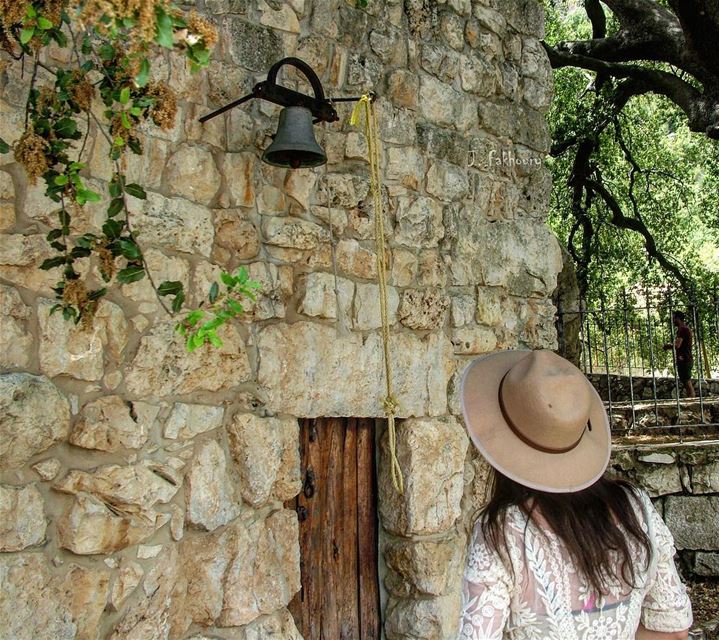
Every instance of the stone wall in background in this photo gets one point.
(683, 482)
(142, 488)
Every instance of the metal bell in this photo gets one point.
(294, 144)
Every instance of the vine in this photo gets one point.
(116, 41)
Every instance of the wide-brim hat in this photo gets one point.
(536, 419)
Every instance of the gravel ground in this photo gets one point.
(704, 595)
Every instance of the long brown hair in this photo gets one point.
(591, 523)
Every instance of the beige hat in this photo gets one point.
(536, 419)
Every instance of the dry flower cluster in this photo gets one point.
(30, 153)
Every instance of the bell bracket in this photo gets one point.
(320, 107)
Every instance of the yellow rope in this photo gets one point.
(389, 402)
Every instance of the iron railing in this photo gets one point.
(619, 344)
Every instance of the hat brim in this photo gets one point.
(552, 472)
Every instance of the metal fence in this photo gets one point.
(620, 345)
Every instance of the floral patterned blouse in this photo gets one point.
(542, 597)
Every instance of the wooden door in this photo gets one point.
(339, 599)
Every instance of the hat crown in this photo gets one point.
(547, 400)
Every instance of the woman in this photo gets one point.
(559, 552)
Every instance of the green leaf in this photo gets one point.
(116, 205)
(92, 196)
(130, 250)
(53, 235)
(164, 32)
(124, 96)
(136, 191)
(27, 34)
(131, 274)
(125, 120)
(116, 185)
(178, 301)
(227, 279)
(30, 11)
(143, 76)
(44, 23)
(242, 275)
(4, 146)
(113, 228)
(55, 307)
(97, 294)
(80, 252)
(107, 52)
(65, 128)
(194, 317)
(69, 313)
(169, 288)
(51, 263)
(235, 306)
(61, 180)
(214, 339)
(214, 291)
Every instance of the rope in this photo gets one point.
(389, 402)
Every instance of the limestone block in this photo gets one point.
(447, 181)
(431, 271)
(266, 575)
(478, 75)
(706, 564)
(280, 624)
(33, 417)
(271, 201)
(48, 469)
(355, 260)
(189, 420)
(705, 478)
(659, 480)
(431, 452)
(451, 27)
(693, 521)
(37, 603)
(283, 18)
(209, 493)
(405, 265)
(276, 286)
(343, 190)
(320, 299)
(473, 340)
(71, 349)
(523, 257)
(174, 223)
(335, 218)
(419, 222)
(107, 424)
(266, 455)
(489, 18)
(293, 232)
(439, 102)
(126, 582)
(426, 567)
(299, 185)
(297, 360)
(161, 267)
(15, 339)
(191, 173)
(7, 189)
(163, 367)
(356, 146)
(20, 256)
(367, 313)
(90, 527)
(396, 125)
(423, 308)
(489, 306)
(235, 233)
(462, 309)
(239, 172)
(406, 166)
(430, 619)
(131, 488)
(22, 517)
(147, 169)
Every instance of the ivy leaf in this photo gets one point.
(115, 207)
(130, 250)
(65, 128)
(143, 76)
(163, 34)
(169, 288)
(51, 263)
(4, 146)
(214, 291)
(26, 34)
(131, 274)
(178, 301)
(136, 191)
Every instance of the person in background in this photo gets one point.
(560, 552)
(683, 350)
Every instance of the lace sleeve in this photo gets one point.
(486, 589)
(666, 606)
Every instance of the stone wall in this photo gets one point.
(143, 487)
(683, 481)
(642, 387)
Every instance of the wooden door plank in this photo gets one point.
(347, 532)
(330, 529)
(368, 586)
